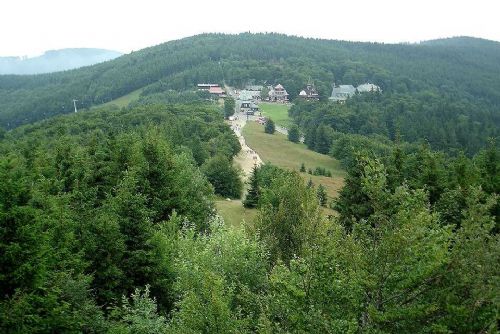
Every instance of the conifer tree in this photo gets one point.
(294, 134)
(321, 193)
(252, 197)
(310, 183)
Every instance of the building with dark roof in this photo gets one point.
(309, 93)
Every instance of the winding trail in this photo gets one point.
(247, 157)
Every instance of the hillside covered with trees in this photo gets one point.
(108, 221)
(454, 81)
(107, 225)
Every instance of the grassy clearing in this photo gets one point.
(278, 150)
(124, 100)
(277, 112)
(234, 212)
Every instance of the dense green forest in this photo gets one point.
(107, 224)
(449, 89)
(448, 124)
(108, 221)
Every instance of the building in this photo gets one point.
(247, 106)
(255, 88)
(254, 108)
(217, 92)
(309, 93)
(342, 92)
(246, 95)
(206, 87)
(243, 105)
(278, 94)
(368, 87)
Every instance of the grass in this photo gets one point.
(234, 212)
(277, 112)
(124, 100)
(278, 150)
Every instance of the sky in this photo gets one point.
(30, 27)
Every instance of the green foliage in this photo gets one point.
(322, 171)
(82, 202)
(138, 315)
(224, 177)
(229, 105)
(269, 127)
(321, 194)
(412, 116)
(289, 215)
(253, 193)
(302, 168)
(294, 134)
(112, 203)
(264, 93)
(218, 283)
(443, 91)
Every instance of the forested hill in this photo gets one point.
(463, 69)
(56, 60)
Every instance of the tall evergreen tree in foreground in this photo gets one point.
(252, 197)
(322, 197)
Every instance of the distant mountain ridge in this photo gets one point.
(56, 60)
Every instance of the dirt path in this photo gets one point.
(247, 157)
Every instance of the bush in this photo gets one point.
(270, 127)
(223, 176)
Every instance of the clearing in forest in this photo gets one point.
(278, 150)
(124, 100)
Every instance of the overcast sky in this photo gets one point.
(29, 27)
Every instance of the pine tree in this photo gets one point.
(294, 134)
(322, 197)
(302, 168)
(252, 197)
(310, 183)
(322, 142)
(310, 139)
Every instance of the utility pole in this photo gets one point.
(74, 104)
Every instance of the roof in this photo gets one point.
(254, 106)
(246, 95)
(342, 92)
(302, 93)
(254, 87)
(344, 89)
(368, 87)
(279, 87)
(216, 90)
(207, 85)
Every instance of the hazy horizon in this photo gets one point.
(127, 26)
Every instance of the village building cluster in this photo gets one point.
(248, 98)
